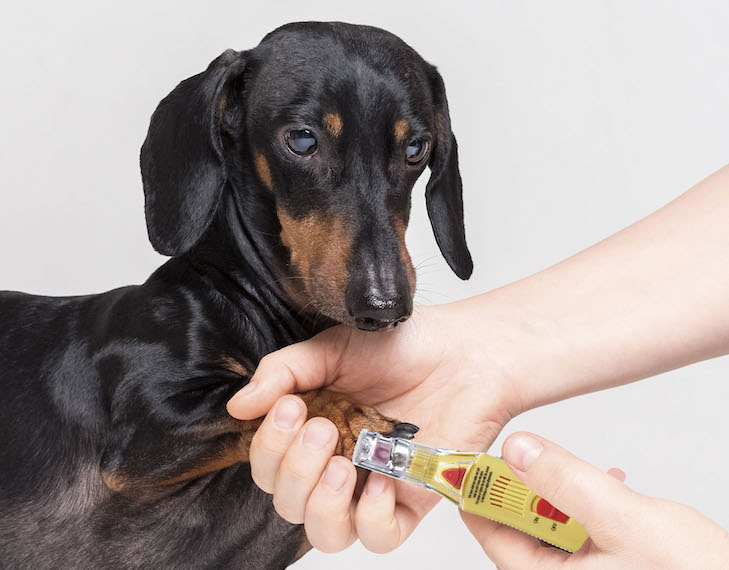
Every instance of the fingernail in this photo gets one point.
(619, 474)
(287, 413)
(317, 435)
(334, 477)
(248, 388)
(241, 394)
(375, 485)
(522, 450)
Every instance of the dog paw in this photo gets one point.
(351, 418)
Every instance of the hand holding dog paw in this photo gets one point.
(428, 372)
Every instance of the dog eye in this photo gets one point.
(416, 150)
(301, 142)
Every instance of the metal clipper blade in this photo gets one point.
(387, 455)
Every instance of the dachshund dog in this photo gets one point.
(279, 182)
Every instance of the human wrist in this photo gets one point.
(546, 348)
(498, 333)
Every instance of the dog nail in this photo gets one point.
(317, 435)
(405, 430)
(375, 485)
(335, 477)
(287, 413)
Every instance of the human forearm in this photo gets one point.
(650, 298)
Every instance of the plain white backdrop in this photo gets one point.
(574, 119)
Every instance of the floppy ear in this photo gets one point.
(444, 193)
(183, 171)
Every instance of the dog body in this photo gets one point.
(132, 377)
(279, 181)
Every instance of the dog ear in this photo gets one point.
(183, 170)
(444, 192)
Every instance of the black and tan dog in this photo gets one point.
(279, 182)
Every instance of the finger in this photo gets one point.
(509, 548)
(573, 486)
(383, 524)
(302, 467)
(276, 433)
(296, 368)
(328, 517)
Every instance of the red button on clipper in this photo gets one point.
(546, 510)
(454, 476)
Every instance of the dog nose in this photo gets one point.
(377, 310)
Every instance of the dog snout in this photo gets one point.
(381, 311)
(380, 303)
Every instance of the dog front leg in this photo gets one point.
(172, 438)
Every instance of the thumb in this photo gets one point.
(296, 368)
(578, 489)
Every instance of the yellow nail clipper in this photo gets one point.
(478, 483)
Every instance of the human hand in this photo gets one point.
(627, 529)
(437, 371)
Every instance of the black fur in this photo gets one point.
(128, 388)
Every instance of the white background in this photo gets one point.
(574, 119)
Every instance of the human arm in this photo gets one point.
(651, 298)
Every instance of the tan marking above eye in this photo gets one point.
(264, 171)
(333, 123)
(401, 130)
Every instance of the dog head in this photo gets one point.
(327, 126)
